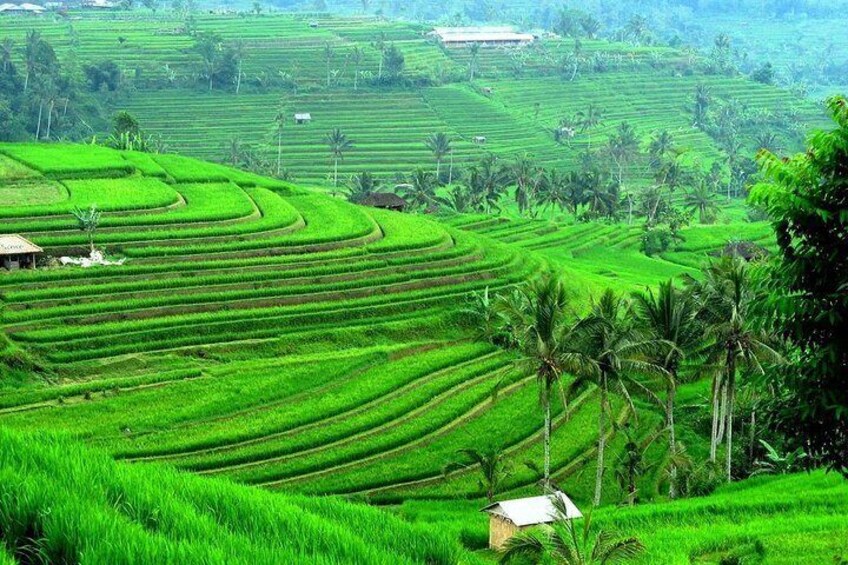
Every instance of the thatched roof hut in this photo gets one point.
(386, 201)
(747, 250)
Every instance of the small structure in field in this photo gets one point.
(17, 252)
(486, 36)
(479, 139)
(488, 90)
(508, 517)
(747, 250)
(99, 4)
(386, 201)
(26, 8)
(302, 118)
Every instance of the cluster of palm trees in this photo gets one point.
(635, 347)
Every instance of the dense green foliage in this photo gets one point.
(63, 503)
(808, 203)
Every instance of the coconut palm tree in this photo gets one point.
(734, 341)
(492, 464)
(526, 175)
(701, 200)
(610, 352)
(279, 126)
(339, 144)
(536, 315)
(671, 316)
(356, 57)
(564, 542)
(361, 186)
(662, 143)
(440, 145)
(589, 120)
(7, 48)
(421, 190)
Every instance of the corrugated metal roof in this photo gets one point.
(481, 34)
(306, 116)
(533, 511)
(13, 244)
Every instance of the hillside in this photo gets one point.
(791, 519)
(330, 66)
(66, 504)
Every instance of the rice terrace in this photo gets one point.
(295, 281)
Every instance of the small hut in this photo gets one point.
(746, 250)
(386, 201)
(508, 517)
(17, 252)
(302, 119)
(479, 139)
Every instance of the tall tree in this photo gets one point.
(339, 144)
(735, 341)
(671, 315)
(537, 317)
(491, 463)
(623, 148)
(806, 199)
(526, 174)
(420, 192)
(701, 200)
(613, 354)
(279, 127)
(589, 120)
(440, 145)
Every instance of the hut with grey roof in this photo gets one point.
(17, 252)
(508, 517)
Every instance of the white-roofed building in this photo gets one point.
(486, 36)
(302, 118)
(17, 252)
(508, 517)
(21, 9)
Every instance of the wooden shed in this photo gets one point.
(17, 252)
(479, 139)
(302, 118)
(386, 201)
(509, 517)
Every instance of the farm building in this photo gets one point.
(17, 252)
(509, 517)
(99, 4)
(21, 9)
(303, 118)
(386, 201)
(479, 139)
(484, 36)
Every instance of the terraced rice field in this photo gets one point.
(260, 332)
(387, 127)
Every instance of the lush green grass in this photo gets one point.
(68, 504)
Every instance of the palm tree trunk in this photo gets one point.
(450, 170)
(438, 169)
(752, 435)
(238, 79)
(279, 151)
(38, 127)
(672, 439)
(336, 174)
(731, 392)
(722, 418)
(547, 440)
(49, 118)
(714, 431)
(602, 440)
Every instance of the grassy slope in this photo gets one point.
(65, 503)
(389, 126)
(794, 519)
